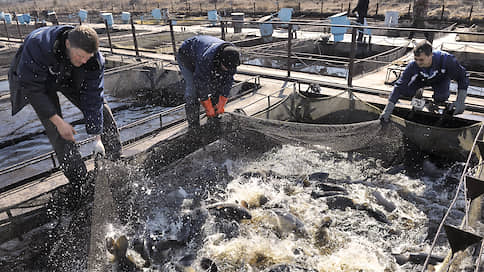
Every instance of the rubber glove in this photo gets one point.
(222, 100)
(209, 110)
(99, 147)
(385, 115)
(459, 105)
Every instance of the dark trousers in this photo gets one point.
(67, 152)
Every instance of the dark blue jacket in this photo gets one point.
(444, 67)
(41, 67)
(198, 54)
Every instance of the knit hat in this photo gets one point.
(230, 57)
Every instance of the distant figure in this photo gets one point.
(65, 59)
(208, 65)
(430, 68)
(419, 14)
(362, 10)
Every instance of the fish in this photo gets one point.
(229, 211)
(341, 203)
(380, 199)
(123, 258)
(286, 222)
(208, 265)
(417, 258)
(318, 176)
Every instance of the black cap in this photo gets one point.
(230, 57)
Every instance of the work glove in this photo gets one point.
(385, 115)
(209, 110)
(222, 100)
(99, 147)
(459, 105)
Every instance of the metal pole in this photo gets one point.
(321, 7)
(6, 29)
(135, 42)
(376, 11)
(80, 21)
(289, 38)
(349, 8)
(409, 7)
(222, 25)
(352, 57)
(172, 34)
(18, 28)
(109, 35)
(442, 13)
(470, 13)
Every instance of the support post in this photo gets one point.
(222, 25)
(352, 57)
(135, 42)
(6, 29)
(172, 33)
(109, 35)
(289, 39)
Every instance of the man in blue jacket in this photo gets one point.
(208, 65)
(65, 59)
(430, 68)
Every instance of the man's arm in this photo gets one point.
(402, 84)
(65, 129)
(92, 94)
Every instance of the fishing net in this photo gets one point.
(338, 123)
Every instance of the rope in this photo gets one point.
(461, 182)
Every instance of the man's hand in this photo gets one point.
(99, 147)
(459, 104)
(65, 129)
(222, 100)
(385, 115)
(209, 110)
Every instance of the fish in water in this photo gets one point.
(229, 211)
(318, 194)
(318, 176)
(341, 203)
(286, 222)
(380, 199)
(417, 258)
(208, 265)
(123, 258)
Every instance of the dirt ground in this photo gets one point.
(454, 9)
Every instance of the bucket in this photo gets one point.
(108, 16)
(213, 16)
(8, 18)
(238, 16)
(83, 15)
(125, 16)
(285, 14)
(156, 13)
(338, 31)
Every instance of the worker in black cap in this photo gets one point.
(208, 65)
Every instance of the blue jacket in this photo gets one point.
(41, 67)
(198, 54)
(444, 67)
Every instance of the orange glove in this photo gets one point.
(222, 100)
(209, 110)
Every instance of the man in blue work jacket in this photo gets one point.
(65, 59)
(430, 68)
(208, 65)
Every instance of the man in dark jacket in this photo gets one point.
(208, 65)
(430, 68)
(65, 59)
(362, 10)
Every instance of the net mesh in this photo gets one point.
(334, 122)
